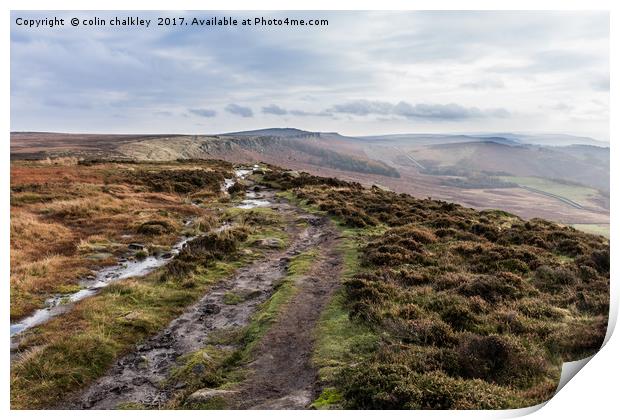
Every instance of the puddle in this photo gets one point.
(242, 173)
(228, 182)
(251, 203)
(62, 303)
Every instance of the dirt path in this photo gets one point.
(284, 354)
(282, 374)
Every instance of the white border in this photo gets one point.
(592, 394)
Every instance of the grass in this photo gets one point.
(70, 351)
(577, 193)
(595, 229)
(68, 219)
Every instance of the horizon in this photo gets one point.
(382, 134)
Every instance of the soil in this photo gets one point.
(281, 376)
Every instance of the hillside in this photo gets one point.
(461, 168)
(208, 285)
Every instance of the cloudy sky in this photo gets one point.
(365, 73)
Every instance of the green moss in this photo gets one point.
(231, 298)
(329, 398)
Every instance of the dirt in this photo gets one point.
(282, 375)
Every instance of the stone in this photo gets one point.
(272, 243)
(205, 395)
(135, 246)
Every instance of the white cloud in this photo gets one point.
(417, 71)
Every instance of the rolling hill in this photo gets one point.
(471, 169)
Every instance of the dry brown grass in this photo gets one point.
(68, 218)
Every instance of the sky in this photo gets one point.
(366, 73)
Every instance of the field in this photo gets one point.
(68, 219)
(584, 196)
(594, 229)
(291, 291)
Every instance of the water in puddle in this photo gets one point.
(228, 182)
(253, 200)
(62, 303)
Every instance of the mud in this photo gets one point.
(282, 375)
(139, 377)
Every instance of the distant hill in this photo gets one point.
(586, 165)
(479, 170)
(272, 132)
(529, 138)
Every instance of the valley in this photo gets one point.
(478, 171)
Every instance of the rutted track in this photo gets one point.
(138, 377)
(282, 374)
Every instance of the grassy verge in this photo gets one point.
(339, 340)
(70, 351)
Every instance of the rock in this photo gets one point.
(208, 394)
(135, 246)
(167, 255)
(198, 368)
(211, 308)
(273, 243)
(292, 174)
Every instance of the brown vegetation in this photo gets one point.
(69, 217)
(474, 309)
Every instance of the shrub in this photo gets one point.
(155, 227)
(495, 288)
(500, 359)
(551, 278)
(390, 387)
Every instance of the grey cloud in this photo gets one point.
(363, 107)
(277, 110)
(420, 111)
(274, 109)
(242, 111)
(561, 106)
(300, 113)
(207, 113)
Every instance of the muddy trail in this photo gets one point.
(281, 374)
